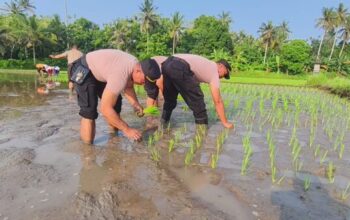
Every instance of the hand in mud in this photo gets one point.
(139, 110)
(133, 134)
(228, 125)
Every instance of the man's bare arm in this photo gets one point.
(219, 106)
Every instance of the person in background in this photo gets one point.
(111, 72)
(183, 73)
(71, 55)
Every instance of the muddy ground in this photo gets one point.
(47, 173)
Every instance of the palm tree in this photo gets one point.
(18, 7)
(326, 23)
(338, 21)
(176, 28)
(12, 8)
(148, 17)
(26, 5)
(282, 34)
(345, 34)
(225, 18)
(3, 36)
(267, 35)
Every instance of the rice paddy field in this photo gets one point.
(288, 157)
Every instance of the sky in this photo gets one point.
(247, 15)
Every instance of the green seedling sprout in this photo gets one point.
(151, 111)
(345, 193)
(317, 151)
(214, 160)
(247, 154)
(171, 145)
(155, 154)
(322, 159)
(190, 154)
(307, 183)
(341, 151)
(330, 172)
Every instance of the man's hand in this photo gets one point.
(133, 134)
(228, 125)
(139, 110)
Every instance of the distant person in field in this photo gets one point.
(183, 73)
(110, 73)
(71, 55)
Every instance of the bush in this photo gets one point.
(295, 56)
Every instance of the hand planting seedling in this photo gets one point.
(151, 111)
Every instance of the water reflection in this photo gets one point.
(19, 90)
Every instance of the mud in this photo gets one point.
(47, 173)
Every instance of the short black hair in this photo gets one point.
(227, 65)
(151, 69)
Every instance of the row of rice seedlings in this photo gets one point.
(174, 141)
(248, 152)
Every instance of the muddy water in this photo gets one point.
(47, 173)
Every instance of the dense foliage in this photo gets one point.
(25, 36)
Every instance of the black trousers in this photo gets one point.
(88, 93)
(178, 78)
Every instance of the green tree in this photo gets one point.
(125, 34)
(344, 34)
(326, 23)
(225, 18)
(267, 34)
(18, 7)
(295, 55)
(83, 33)
(339, 20)
(148, 18)
(176, 28)
(208, 34)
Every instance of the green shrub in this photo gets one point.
(295, 55)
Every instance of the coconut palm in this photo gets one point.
(345, 33)
(18, 7)
(326, 23)
(225, 18)
(176, 28)
(282, 33)
(26, 5)
(267, 34)
(338, 20)
(148, 17)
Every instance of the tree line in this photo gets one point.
(26, 36)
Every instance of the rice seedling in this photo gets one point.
(345, 193)
(151, 111)
(150, 141)
(247, 154)
(155, 154)
(317, 151)
(323, 158)
(214, 160)
(341, 151)
(171, 145)
(307, 183)
(190, 154)
(330, 172)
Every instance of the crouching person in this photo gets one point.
(105, 74)
(183, 73)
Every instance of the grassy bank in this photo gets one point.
(329, 81)
(335, 84)
(13, 75)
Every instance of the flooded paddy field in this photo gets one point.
(287, 158)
